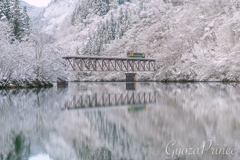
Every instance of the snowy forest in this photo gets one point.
(192, 40)
(27, 57)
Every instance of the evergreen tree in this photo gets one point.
(84, 9)
(120, 16)
(141, 6)
(89, 45)
(77, 51)
(121, 2)
(26, 21)
(94, 45)
(7, 5)
(107, 32)
(126, 19)
(118, 30)
(99, 38)
(120, 24)
(76, 14)
(112, 4)
(112, 27)
(73, 17)
(17, 20)
(101, 7)
(104, 32)
(1, 9)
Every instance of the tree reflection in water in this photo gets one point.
(35, 121)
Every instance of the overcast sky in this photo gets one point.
(38, 3)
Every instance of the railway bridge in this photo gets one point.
(97, 63)
(82, 63)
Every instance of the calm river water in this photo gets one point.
(121, 121)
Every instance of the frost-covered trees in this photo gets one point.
(86, 7)
(26, 21)
(1, 9)
(192, 39)
(6, 8)
(17, 20)
(183, 35)
(17, 17)
(27, 62)
(26, 58)
(94, 7)
(113, 28)
(116, 19)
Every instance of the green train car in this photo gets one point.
(137, 108)
(142, 55)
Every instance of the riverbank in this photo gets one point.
(43, 84)
(159, 76)
(25, 84)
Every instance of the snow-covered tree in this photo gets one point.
(1, 9)
(17, 20)
(17, 17)
(26, 21)
(25, 62)
(77, 51)
(7, 5)
(101, 7)
(89, 45)
(87, 7)
(113, 28)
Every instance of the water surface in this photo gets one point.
(152, 121)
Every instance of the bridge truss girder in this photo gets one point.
(109, 64)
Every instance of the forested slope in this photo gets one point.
(27, 58)
(192, 40)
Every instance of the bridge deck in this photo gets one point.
(97, 63)
(109, 58)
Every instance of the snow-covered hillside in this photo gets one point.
(52, 17)
(192, 40)
(27, 57)
(33, 11)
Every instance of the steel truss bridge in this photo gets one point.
(81, 63)
(108, 100)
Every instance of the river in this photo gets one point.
(137, 121)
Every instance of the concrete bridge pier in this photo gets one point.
(130, 77)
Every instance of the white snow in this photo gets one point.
(51, 19)
(191, 40)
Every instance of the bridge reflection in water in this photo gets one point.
(130, 86)
(108, 100)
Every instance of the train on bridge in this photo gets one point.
(130, 54)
